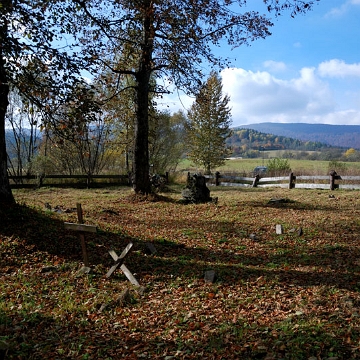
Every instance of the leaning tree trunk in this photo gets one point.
(6, 196)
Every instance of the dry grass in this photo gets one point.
(276, 296)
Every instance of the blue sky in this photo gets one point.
(308, 70)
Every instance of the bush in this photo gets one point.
(277, 167)
(338, 166)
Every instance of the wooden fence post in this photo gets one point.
(256, 180)
(333, 177)
(40, 180)
(292, 179)
(217, 178)
(88, 180)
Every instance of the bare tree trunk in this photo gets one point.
(6, 196)
(141, 180)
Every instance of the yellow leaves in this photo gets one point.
(350, 152)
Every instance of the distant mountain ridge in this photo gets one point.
(347, 136)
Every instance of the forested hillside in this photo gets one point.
(347, 136)
(248, 142)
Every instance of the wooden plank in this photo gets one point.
(119, 259)
(349, 186)
(312, 178)
(233, 184)
(312, 186)
(22, 177)
(126, 250)
(84, 251)
(273, 179)
(113, 254)
(80, 227)
(129, 275)
(76, 177)
(238, 178)
(280, 185)
(112, 269)
(354, 178)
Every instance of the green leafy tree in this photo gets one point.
(166, 141)
(208, 126)
(167, 39)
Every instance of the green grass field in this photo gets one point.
(299, 167)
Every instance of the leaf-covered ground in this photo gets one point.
(294, 295)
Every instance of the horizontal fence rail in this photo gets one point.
(83, 180)
(332, 181)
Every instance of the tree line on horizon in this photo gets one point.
(346, 136)
(104, 149)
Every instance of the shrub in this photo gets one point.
(338, 166)
(277, 167)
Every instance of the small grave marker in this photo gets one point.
(119, 262)
(151, 247)
(209, 276)
(279, 229)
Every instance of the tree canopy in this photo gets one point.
(34, 63)
(171, 40)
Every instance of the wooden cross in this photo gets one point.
(119, 262)
(81, 229)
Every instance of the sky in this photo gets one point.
(307, 71)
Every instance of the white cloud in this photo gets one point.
(342, 9)
(348, 117)
(275, 66)
(338, 68)
(339, 11)
(174, 102)
(326, 94)
(260, 96)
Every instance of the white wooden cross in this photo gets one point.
(119, 262)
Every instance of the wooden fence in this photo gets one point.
(332, 181)
(63, 180)
(80, 180)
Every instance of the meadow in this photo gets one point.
(289, 295)
(299, 167)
